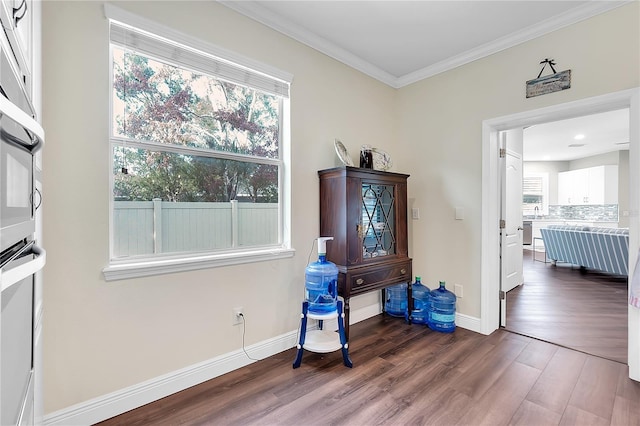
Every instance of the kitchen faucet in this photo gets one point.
(535, 212)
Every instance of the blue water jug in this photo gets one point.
(321, 282)
(396, 300)
(420, 296)
(442, 309)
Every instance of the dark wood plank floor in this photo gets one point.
(582, 310)
(408, 374)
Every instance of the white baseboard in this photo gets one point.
(468, 322)
(123, 400)
(365, 312)
(118, 402)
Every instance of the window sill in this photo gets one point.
(126, 269)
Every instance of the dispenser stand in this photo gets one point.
(322, 341)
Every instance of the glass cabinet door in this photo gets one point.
(378, 220)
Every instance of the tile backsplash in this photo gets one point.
(593, 213)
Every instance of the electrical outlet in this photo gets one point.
(237, 316)
(415, 213)
(457, 289)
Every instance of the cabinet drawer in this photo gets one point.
(381, 277)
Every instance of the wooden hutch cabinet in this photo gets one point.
(365, 211)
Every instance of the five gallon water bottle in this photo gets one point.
(442, 309)
(420, 295)
(396, 303)
(321, 282)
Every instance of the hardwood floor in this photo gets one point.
(408, 374)
(582, 310)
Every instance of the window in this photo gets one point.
(197, 154)
(535, 194)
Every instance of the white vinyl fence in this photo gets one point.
(148, 227)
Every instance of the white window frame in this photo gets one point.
(118, 269)
(544, 177)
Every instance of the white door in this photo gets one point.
(511, 213)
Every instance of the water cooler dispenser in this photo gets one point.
(321, 303)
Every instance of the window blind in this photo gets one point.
(161, 48)
(532, 185)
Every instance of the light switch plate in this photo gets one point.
(457, 290)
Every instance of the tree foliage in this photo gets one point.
(172, 107)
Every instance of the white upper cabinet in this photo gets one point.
(593, 185)
(17, 21)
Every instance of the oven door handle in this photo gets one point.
(9, 276)
(23, 119)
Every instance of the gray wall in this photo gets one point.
(606, 159)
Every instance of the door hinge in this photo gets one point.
(503, 224)
(502, 295)
(503, 152)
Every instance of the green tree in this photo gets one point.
(171, 106)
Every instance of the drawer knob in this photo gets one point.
(359, 281)
(403, 271)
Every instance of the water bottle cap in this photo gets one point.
(417, 278)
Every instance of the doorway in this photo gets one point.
(579, 309)
(490, 251)
(562, 304)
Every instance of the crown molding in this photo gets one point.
(257, 12)
(570, 17)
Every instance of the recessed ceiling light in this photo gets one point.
(579, 137)
(576, 145)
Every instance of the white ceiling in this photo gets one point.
(401, 42)
(553, 141)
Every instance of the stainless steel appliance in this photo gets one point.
(17, 268)
(20, 258)
(21, 136)
(527, 233)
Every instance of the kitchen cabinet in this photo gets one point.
(592, 185)
(365, 211)
(17, 20)
(21, 42)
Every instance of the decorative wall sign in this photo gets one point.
(550, 83)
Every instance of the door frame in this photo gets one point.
(490, 233)
(512, 144)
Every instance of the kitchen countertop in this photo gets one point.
(548, 219)
(544, 221)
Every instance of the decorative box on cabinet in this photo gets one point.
(365, 211)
